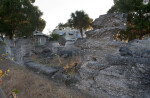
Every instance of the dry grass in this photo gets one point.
(31, 85)
(58, 61)
(67, 63)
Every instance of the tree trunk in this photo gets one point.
(11, 35)
(81, 31)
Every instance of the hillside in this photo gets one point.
(31, 85)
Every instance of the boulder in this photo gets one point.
(116, 20)
(125, 51)
(62, 41)
(59, 77)
(65, 54)
(72, 80)
(49, 71)
(107, 25)
(46, 53)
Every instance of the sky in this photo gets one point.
(59, 11)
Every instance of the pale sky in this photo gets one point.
(56, 11)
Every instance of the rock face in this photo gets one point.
(112, 69)
(107, 25)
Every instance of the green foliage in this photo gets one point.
(138, 20)
(19, 18)
(62, 26)
(15, 91)
(2, 74)
(32, 1)
(54, 37)
(70, 71)
(5, 73)
(80, 20)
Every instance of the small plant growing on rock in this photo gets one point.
(2, 74)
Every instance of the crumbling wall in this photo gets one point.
(17, 49)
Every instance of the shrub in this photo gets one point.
(54, 37)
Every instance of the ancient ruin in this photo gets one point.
(108, 68)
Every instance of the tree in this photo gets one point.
(54, 37)
(80, 20)
(19, 18)
(62, 26)
(138, 20)
(32, 1)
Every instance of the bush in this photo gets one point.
(54, 37)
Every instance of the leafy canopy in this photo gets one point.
(138, 20)
(80, 20)
(19, 18)
(62, 26)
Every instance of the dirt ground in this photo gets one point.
(31, 85)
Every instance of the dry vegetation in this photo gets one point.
(31, 85)
(57, 61)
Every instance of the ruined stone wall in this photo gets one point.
(18, 49)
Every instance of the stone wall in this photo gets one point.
(18, 49)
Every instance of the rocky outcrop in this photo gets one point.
(107, 25)
(99, 41)
(112, 69)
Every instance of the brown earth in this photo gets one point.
(31, 85)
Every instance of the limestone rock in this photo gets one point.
(119, 70)
(110, 20)
(59, 77)
(46, 53)
(62, 41)
(41, 68)
(125, 51)
(107, 25)
(73, 79)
